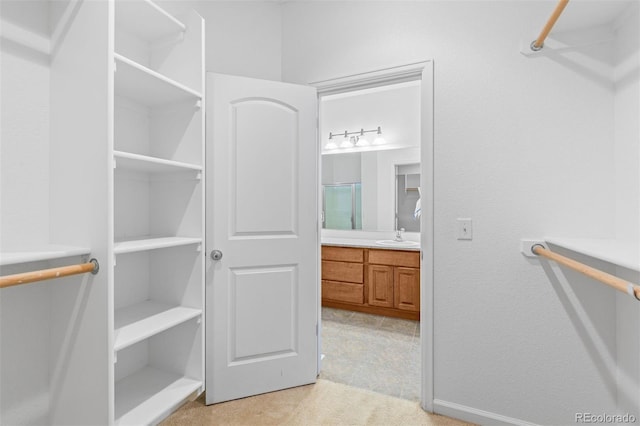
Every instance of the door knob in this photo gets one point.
(216, 254)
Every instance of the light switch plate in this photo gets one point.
(464, 229)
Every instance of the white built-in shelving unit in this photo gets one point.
(125, 184)
(158, 211)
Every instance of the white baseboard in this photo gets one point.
(475, 415)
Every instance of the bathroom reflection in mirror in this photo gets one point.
(408, 203)
(371, 191)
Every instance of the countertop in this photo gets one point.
(362, 242)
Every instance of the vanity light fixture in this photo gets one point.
(349, 141)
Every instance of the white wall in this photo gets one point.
(627, 130)
(627, 160)
(24, 130)
(242, 37)
(524, 147)
(343, 168)
(24, 216)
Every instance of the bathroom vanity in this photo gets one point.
(379, 281)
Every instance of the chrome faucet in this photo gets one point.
(399, 235)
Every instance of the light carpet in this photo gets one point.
(323, 403)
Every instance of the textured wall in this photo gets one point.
(24, 142)
(627, 159)
(524, 147)
(242, 37)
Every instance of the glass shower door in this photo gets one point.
(342, 206)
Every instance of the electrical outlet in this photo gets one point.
(464, 229)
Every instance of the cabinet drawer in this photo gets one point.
(409, 259)
(343, 254)
(343, 292)
(342, 271)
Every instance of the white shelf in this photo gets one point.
(617, 252)
(39, 253)
(149, 395)
(146, 20)
(143, 244)
(143, 320)
(148, 87)
(144, 163)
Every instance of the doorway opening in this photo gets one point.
(375, 311)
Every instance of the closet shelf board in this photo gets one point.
(148, 87)
(143, 320)
(143, 163)
(617, 252)
(143, 244)
(39, 253)
(150, 394)
(146, 20)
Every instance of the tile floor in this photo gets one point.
(372, 352)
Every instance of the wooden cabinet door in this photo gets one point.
(407, 289)
(380, 280)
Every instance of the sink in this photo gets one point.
(394, 243)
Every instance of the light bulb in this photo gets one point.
(379, 140)
(346, 143)
(331, 145)
(362, 141)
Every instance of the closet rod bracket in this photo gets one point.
(535, 48)
(96, 266)
(527, 246)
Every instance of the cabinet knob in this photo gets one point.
(216, 254)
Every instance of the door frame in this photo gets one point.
(424, 72)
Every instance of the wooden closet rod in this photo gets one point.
(608, 279)
(48, 274)
(538, 43)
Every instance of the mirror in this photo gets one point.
(371, 191)
(407, 188)
(371, 187)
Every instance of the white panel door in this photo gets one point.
(262, 180)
